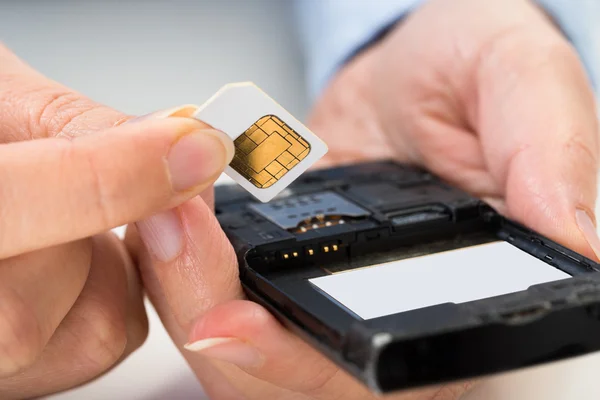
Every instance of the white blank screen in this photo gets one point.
(455, 276)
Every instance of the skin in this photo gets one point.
(70, 295)
(488, 95)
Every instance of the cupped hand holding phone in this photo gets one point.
(490, 96)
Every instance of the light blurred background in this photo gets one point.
(141, 56)
(144, 55)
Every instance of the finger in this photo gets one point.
(37, 290)
(246, 335)
(136, 320)
(188, 264)
(33, 106)
(188, 268)
(421, 125)
(539, 129)
(132, 239)
(214, 382)
(100, 330)
(91, 184)
(345, 110)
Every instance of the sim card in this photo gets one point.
(272, 148)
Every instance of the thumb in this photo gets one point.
(190, 272)
(246, 335)
(186, 261)
(539, 130)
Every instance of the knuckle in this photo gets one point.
(137, 326)
(521, 52)
(578, 148)
(201, 265)
(323, 377)
(16, 98)
(223, 251)
(98, 190)
(230, 277)
(103, 338)
(102, 191)
(20, 335)
(138, 333)
(257, 314)
(38, 109)
(77, 256)
(57, 109)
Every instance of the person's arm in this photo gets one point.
(331, 31)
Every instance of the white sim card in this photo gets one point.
(272, 148)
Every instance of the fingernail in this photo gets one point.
(230, 350)
(186, 110)
(162, 234)
(588, 228)
(198, 158)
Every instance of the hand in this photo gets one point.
(489, 96)
(486, 94)
(236, 348)
(70, 297)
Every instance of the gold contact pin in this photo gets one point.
(268, 150)
(335, 247)
(326, 249)
(295, 254)
(311, 252)
(286, 256)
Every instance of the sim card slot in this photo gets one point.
(419, 215)
(311, 211)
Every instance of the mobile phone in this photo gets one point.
(405, 281)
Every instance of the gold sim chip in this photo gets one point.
(274, 148)
(268, 150)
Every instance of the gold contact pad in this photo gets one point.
(267, 150)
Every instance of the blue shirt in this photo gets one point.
(332, 30)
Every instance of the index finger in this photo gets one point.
(57, 190)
